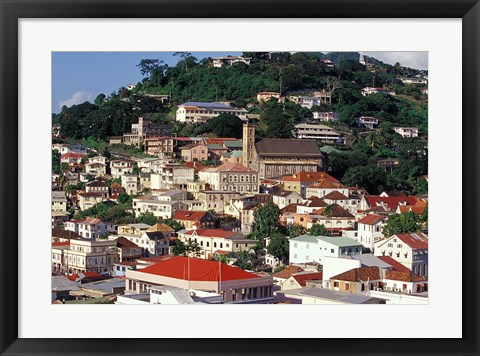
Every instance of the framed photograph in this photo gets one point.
(440, 37)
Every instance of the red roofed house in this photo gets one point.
(411, 250)
(71, 158)
(370, 229)
(299, 280)
(389, 203)
(359, 280)
(234, 284)
(187, 218)
(324, 187)
(298, 182)
(418, 208)
(213, 242)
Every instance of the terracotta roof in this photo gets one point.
(415, 240)
(326, 184)
(90, 194)
(287, 272)
(194, 269)
(337, 212)
(187, 215)
(394, 263)
(418, 208)
(290, 208)
(73, 155)
(123, 242)
(359, 274)
(288, 147)
(96, 183)
(308, 177)
(302, 278)
(65, 234)
(403, 276)
(229, 167)
(161, 227)
(391, 202)
(314, 202)
(217, 140)
(78, 276)
(61, 243)
(371, 219)
(212, 233)
(335, 195)
(197, 166)
(116, 185)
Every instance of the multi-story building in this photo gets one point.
(195, 152)
(97, 186)
(215, 200)
(86, 256)
(120, 167)
(159, 208)
(264, 96)
(90, 228)
(59, 200)
(89, 200)
(326, 116)
(96, 166)
(144, 128)
(369, 122)
(231, 177)
(306, 248)
(370, 90)
(201, 111)
(171, 175)
(233, 284)
(160, 146)
(131, 183)
(317, 132)
(215, 242)
(370, 229)
(189, 218)
(410, 249)
(273, 157)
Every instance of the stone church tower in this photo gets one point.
(249, 143)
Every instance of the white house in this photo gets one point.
(326, 116)
(131, 183)
(120, 167)
(159, 208)
(406, 131)
(369, 122)
(370, 90)
(229, 60)
(59, 201)
(306, 248)
(317, 132)
(90, 228)
(410, 249)
(285, 197)
(370, 229)
(194, 111)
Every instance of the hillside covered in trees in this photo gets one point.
(193, 79)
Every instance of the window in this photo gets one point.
(347, 286)
(332, 250)
(295, 255)
(308, 246)
(307, 257)
(336, 284)
(295, 244)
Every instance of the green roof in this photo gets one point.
(237, 154)
(233, 144)
(227, 154)
(216, 147)
(329, 149)
(339, 241)
(306, 238)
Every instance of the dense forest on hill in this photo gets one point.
(197, 80)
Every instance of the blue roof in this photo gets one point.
(207, 105)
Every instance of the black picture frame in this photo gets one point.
(12, 11)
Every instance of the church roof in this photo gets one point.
(288, 147)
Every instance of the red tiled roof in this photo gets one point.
(290, 208)
(61, 243)
(337, 212)
(403, 276)
(189, 215)
(72, 155)
(394, 263)
(194, 269)
(371, 219)
(302, 278)
(335, 195)
(212, 233)
(308, 177)
(217, 140)
(314, 202)
(123, 242)
(416, 240)
(391, 202)
(197, 166)
(359, 274)
(418, 208)
(77, 276)
(287, 272)
(229, 167)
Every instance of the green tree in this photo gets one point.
(56, 162)
(278, 247)
(295, 230)
(318, 230)
(225, 125)
(147, 218)
(245, 260)
(174, 224)
(265, 221)
(179, 249)
(123, 198)
(402, 223)
(372, 178)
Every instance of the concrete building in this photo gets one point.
(59, 201)
(90, 228)
(370, 229)
(406, 131)
(230, 60)
(317, 132)
(306, 248)
(194, 112)
(231, 177)
(233, 284)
